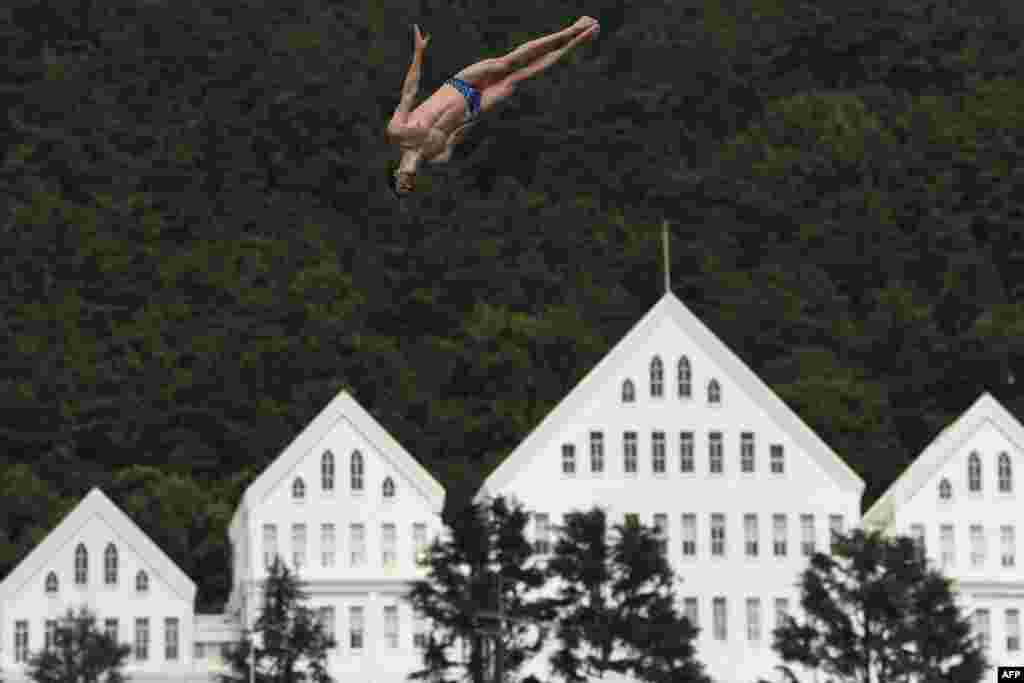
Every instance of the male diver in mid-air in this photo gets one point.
(432, 130)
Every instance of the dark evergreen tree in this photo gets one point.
(876, 613)
(80, 653)
(291, 643)
(484, 561)
(616, 605)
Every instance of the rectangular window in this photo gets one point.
(327, 545)
(629, 452)
(50, 634)
(661, 528)
(947, 545)
(419, 542)
(690, 611)
(658, 452)
(298, 545)
(1008, 545)
(357, 543)
(326, 617)
(542, 533)
(596, 452)
(917, 534)
(807, 535)
(142, 639)
(568, 459)
(171, 638)
(715, 453)
(747, 451)
(389, 545)
(686, 451)
(269, 544)
(355, 628)
(718, 534)
(391, 626)
(753, 619)
(419, 632)
(110, 628)
(718, 618)
(21, 641)
(982, 627)
(977, 545)
(781, 611)
(750, 534)
(689, 535)
(778, 462)
(835, 530)
(1013, 630)
(779, 535)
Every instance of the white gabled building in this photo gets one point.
(98, 558)
(351, 509)
(673, 427)
(961, 501)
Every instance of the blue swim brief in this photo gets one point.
(471, 94)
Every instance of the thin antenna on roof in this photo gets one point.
(664, 235)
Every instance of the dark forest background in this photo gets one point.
(199, 250)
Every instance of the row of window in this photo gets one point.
(659, 458)
(981, 624)
(1004, 476)
(717, 541)
(978, 544)
(356, 544)
(357, 627)
(684, 384)
(140, 648)
(357, 477)
(110, 570)
(719, 616)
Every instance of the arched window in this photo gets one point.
(628, 392)
(356, 470)
(81, 565)
(1005, 474)
(389, 487)
(973, 472)
(110, 565)
(714, 392)
(51, 582)
(657, 377)
(142, 582)
(298, 489)
(683, 376)
(327, 471)
(945, 490)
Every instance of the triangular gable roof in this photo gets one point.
(985, 410)
(345, 408)
(671, 308)
(96, 504)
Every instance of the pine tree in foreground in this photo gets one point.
(81, 653)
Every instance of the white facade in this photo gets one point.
(98, 558)
(962, 497)
(813, 487)
(353, 508)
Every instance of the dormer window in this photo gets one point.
(327, 471)
(356, 471)
(657, 377)
(714, 392)
(1005, 474)
(142, 582)
(110, 565)
(945, 490)
(628, 391)
(81, 565)
(298, 489)
(51, 583)
(683, 376)
(388, 488)
(974, 472)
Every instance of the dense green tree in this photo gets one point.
(291, 642)
(482, 560)
(876, 612)
(81, 653)
(616, 605)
